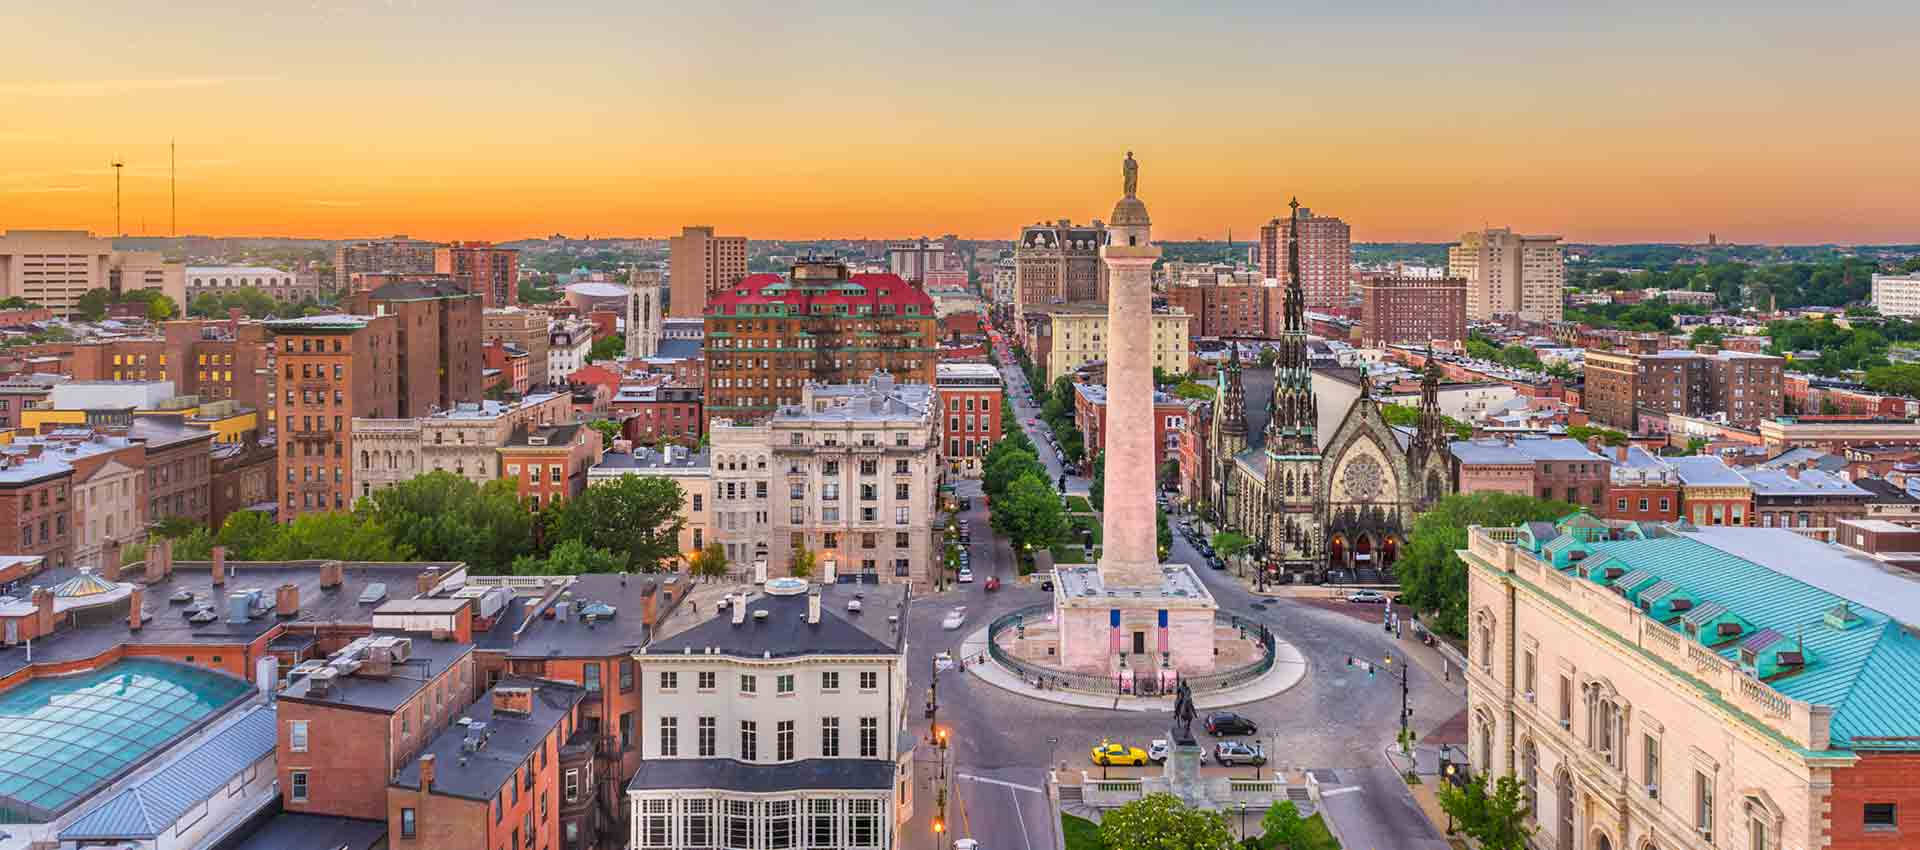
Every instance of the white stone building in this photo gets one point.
(779, 722)
(464, 441)
(1897, 294)
(568, 342)
(693, 471)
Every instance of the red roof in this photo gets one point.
(898, 294)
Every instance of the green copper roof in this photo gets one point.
(1869, 673)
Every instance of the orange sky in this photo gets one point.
(488, 120)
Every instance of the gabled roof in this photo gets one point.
(153, 803)
(784, 632)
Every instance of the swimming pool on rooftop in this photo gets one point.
(62, 736)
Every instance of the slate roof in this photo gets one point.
(730, 775)
(1812, 482)
(1522, 450)
(150, 806)
(293, 831)
(568, 636)
(510, 740)
(1706, 471)
(785, 632)
(1883, 490)
(1778, 580)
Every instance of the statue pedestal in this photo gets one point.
(1183, 774)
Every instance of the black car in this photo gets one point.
(1227, 723)
(1046, 585)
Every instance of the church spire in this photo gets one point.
(1233, 397)
(1431, 433)
(1293, 411)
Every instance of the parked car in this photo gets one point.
(943, 661)
(954, 618)
(1216, 563)
(1373, 597)
(1158, 750)
(1235, 752)
(1046, 584)
(966, 575)
(966, 504)
(1227, 723)
(1109, 752)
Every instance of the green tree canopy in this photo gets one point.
(637, 517)
(1005, 465)
(1432, 577)
(800, 564)
(445, 517)
(1898, 379)
(609, 430)
(246, 534)
(1097, 486)
(569, 558)
(1707, 335)
(1030, 513)
(710, 562)
(1161, 822)
(608, 348)
(1607, 436)
(334, 535)
(1497, 819)
(1230, 543)
(1409, 416)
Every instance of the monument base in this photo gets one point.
(1182, 773)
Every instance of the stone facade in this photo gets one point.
(464, 441)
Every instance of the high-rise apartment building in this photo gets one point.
(490, 272)
(1222, 309)
(438, 338)
(397, 254)
(1623, 385)
(767, 337)
(1508, 273)
(698, 263)
(526, 329)
(1077, 335)
(1411, 310)
(912, 260)
(1897, 294)
(53, 268)
(1326, 258)
(333, 368)
(1059, 263)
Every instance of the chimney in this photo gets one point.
(286, 601)
(239, 605)
(424, 582)
(33, 450)
(1793, 471)
(426, 773)
(135, 601)
(1620, 453)
(162, 550)
(219, 566)
(813, 607)
(739, 609)
(110, 562)
(1593, 445)
(650, 604)
(43, 609)
(332, 574)
(517, 700)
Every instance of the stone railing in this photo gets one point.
(1110, 793)
(1769, 700)
(1661, 636)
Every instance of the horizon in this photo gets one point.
(493, 120)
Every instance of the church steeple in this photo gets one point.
(1233, 398)
(1431, 433)
(1293, 411)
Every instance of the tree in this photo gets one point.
(1162, 533)
(1563, 370)
(1707, 335)
(800, 563)
(333, 536)
(1097, 490)
(1902, 379)
(1432, 577)
(1073, 444)
(1607, 436)
(1194, 390)
(446, 517)
(15, 302)
(710, 562)
(1519, 357)
(1282, 826)
(608, 348)
(609, 430)
(637, 517)
(1230, 543)
(1160, 821)
(569, 558)
(1029, 515)
(1497, 820)
(1267, 356)
(246, 534)
(92, 304)
(1006, 465)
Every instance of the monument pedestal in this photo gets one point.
(1183, 774)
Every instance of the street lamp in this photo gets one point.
(1243, 821)
(1448, 771)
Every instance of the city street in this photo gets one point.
(1337, 717)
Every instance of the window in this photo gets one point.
(869, 680)
(1650, 762)
(570, 787)
(297, 736)
(900, 491)
(830, 680)
(669, 739)
(696, 500)
(406, 823)
(706, 680)
(590, 671)
(1566, 702)
(626, 676)
(900, 515)
(783, 684)
(869, 737)
(749, 683)
(829, 737)
(297, 785)
(863, 822)
(1881, 816)
(823, 824)
(705, 735)
(669, 680)
(739, 823)
(1528, 669)
(626, 732)
(1703, 805)
(749, 740)
(783, 741)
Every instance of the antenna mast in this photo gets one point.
(117, 165)
(173, 192)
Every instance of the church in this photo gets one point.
(1320, 504)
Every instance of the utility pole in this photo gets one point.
(173, 191)
(117, 165)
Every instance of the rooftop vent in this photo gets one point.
(1843, 617)
(374, 593)
(320, 682)
(760, 615)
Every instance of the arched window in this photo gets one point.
(1530, 777)
(364, 462)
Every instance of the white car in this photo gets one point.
(943, 662)
(966, 575)
(954, 618)
(1374, 597)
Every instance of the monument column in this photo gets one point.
(1131, 556)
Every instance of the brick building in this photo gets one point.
(970, 395)
(1090, 416)
(549, 462)
(36, 517)
(768, 336)
(1799, 497)
(1543, 467)
(699, 264)
(649, 413)
(1226, 309)
(438, 337)
(526, 329)
(1644, 488)
(242, 477)
(1836, 433)
(396, 254)
(1712, 493)
(1326, 258)
(464, 440)
(1059, 263)
(179, 468)
(1622, 387)
(1406, 310)
(333, 368)
(510, 365)
(500, 788)
(482, 269)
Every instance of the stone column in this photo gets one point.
(1131, 556)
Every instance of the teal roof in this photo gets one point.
(1869, 674)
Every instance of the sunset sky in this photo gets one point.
(1607, 122)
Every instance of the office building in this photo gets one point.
(481, 268)
(1077, 335)
(394, 255)
(1411, 311)
(699, 263)
(53, 268)
(768, 336)
(1508, 274)
(1897, 294)
(1059, 263)
(1325, 258)
(1663, 686)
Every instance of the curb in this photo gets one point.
(1287, 661)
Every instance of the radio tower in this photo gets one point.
(173, 193)
(117, 165)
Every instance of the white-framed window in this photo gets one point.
(869, 680)
(656, 823)
(297, 786)
(297, 736)
(570, 787)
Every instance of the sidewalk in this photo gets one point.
(1289, 667)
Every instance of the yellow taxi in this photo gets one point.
(1109, 752)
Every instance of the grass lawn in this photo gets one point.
(1079, 505)
(1072, 555)
(1085, 522)
(1318, 832)
(1080, 833)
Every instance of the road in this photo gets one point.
(1336, 718)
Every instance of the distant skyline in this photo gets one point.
(485, 119)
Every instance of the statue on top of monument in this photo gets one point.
(1130, 173)
(1182, 729)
